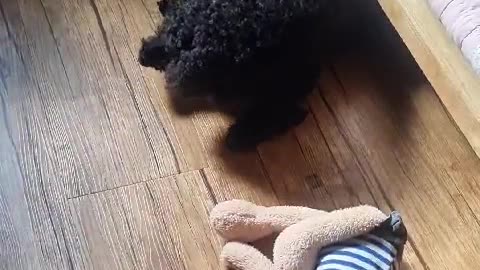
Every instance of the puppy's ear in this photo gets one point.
(153, 54)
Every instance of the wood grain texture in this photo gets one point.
(160, 224)
(98, 172)
(90, 150)
(37, 187)
(413, 181)
(74, 125)
(231, 176)
(106, 67)
(129, 22)
(442, 62)
(16, 227)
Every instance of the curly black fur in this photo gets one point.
(263, 54)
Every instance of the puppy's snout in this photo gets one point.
(152, 54)
(162, 6)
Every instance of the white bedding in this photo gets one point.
(461, 18)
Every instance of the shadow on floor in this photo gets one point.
(369, 60)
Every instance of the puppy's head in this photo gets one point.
(153, 53)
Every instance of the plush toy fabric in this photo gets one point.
(378, 249)
(352, 239)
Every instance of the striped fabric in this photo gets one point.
(368, 252)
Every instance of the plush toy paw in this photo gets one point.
(240, 256)
(243, 221)
(237, 220)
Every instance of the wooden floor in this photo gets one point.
(97, 172)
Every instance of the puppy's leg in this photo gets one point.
(262, 123)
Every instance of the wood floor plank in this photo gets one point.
(93, 72)
(128, 22)
(320, 152)
(386, 121)
(160, 224)
(187, 222)
(16, 227)
(386, 116)
(359, 180)
(293, 179)
(152, 9)
(453, 78)
(407, 147)
(37, 143)
(88, 151)
(328, 153)
(84, 130)
(232, 176)
(314, 166)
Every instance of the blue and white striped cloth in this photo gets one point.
(367, 252)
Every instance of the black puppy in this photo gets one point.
(261, 54)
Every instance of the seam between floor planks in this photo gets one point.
(201, 171)
(177, 207)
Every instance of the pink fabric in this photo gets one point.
(461, 19)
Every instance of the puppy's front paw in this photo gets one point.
(260, 126)
(241, 139)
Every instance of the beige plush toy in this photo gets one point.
(352, 239)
